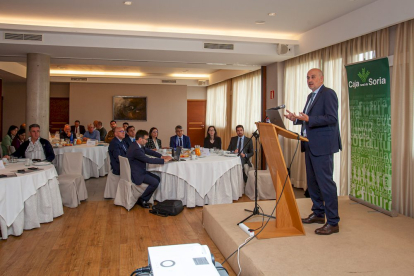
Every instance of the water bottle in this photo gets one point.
(71, 138)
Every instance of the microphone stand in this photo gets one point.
(255, 210)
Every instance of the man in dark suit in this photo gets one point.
(129, 136)
(138, 160)
(319, 121)
(180, 140)
(117, 148)
(77, 128)
(237, 143)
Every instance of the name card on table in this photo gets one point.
(205, 152)
(91, 142)
(2, 165)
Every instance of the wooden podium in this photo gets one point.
(288, 221)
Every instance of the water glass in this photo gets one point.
(28, 162)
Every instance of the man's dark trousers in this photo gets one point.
(321, 187)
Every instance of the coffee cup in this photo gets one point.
(5, 161)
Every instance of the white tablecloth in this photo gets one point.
(28, 199)
(210, 180)
(94, 159)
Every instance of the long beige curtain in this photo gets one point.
(217, 112)
(246, 109)
(402, 123)
(296, 91)
(332, 61)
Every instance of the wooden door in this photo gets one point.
(196, 119)
(58, 114)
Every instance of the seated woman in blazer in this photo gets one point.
(153, 141)
(212, 140)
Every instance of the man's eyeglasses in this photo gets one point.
(122, 131)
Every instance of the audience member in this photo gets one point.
(129, 136)
(102, 131)
(111, 133)
(153, 141)
(8, 139)
(212, 140)
(180, 140)
(95, 124)
(138, 161)
(125, 125)
(237, 143)
(77, 129)
(91, 133)
(67, 133)
(36, 147)
(23, 126)
(19, 139)
(117, 148)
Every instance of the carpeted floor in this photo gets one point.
(369, 243)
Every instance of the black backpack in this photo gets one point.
(167, 208)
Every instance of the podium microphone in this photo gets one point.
(277, 107)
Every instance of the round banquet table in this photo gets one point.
(95, 159)
(29, 199)
(210, 180)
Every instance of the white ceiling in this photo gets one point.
(162, 36)
(226, 17)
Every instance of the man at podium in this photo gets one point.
(319, 121)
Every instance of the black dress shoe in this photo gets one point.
(313, 219)
(327, 229)
(143, 203)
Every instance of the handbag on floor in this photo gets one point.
(167, 208)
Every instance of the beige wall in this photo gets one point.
(14, 101)
(196, 93)
(166, 105)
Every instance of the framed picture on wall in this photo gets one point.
(130, 108)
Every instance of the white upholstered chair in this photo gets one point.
(127, 193)
(71, 182)
(112, 181)
(265, 189)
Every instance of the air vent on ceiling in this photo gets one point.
(203, 82)
(217, 46)
(168, 81)
(79, 79)
(16, 36)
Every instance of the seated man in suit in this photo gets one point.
(91, 133)
(117, 148)
(102, 131)
(138, 161)
(129, 136)
(77, 129)
(237, 143)
(36, 147)
(180, 140)
(67, 133)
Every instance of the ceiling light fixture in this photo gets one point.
(213, 63)
(190, 75)
(128, 3)
(272, 14)
(95, 73)
(260, 22)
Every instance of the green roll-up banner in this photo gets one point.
(370, 114)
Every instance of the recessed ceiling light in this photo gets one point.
(272, 14)
(128, 3)
(95, 73)
(190, 75)
(260, 22)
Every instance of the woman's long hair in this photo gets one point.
(215, 132)
(11, 128)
